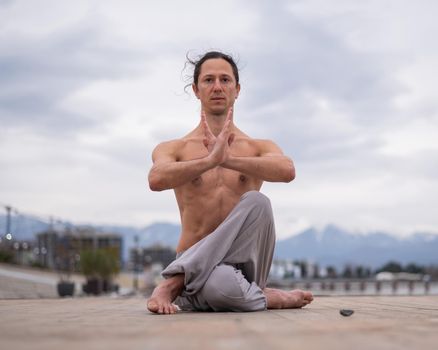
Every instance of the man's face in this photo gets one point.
(216, 86)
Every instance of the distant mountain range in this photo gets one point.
(337, 247)
(330, 246)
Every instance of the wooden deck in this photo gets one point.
(385, 322)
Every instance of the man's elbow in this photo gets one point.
(155, 184)
(289, 173)
(155, 187)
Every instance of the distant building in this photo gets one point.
(398, 276)
(46, 248)
(283, 268)
(141, 257)
(60, 249)
(15, 251)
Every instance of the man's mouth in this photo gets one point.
(217, 98)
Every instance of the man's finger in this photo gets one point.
(230, 114)
(204, 119)
(226, 127)
(231, 139)
(207, 130)
(205, 127)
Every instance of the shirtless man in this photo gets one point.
(227, 233)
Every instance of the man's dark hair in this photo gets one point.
(211, 55)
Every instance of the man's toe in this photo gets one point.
(152, 305)
(166, 309)
(308, 296)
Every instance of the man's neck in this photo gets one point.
(216, 122)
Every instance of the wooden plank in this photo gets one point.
(123, 323)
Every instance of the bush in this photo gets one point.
(101, 263)
(391, 266)
(6, 256)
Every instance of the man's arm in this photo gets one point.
(272, 165)
(167, 172)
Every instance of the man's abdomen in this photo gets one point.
(202, 217)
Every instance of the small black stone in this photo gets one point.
(346, 312)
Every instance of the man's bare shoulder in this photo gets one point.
(177, 143)
(165, 151)
(175, 147)
(168, 146)
(260, 146)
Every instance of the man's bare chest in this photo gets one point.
(195, 149)
(219, 177)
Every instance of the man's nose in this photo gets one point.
(217, 85)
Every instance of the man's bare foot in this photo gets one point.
(281, 299)
(164, 294)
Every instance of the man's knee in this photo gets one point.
(223, 291)
(222, 282)
(259, 200)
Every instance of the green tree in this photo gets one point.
(391, 266)
(348, 272)
(414, 268)
(331, 272)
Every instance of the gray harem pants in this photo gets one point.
(227, 270)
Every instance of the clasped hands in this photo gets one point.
(218, 146)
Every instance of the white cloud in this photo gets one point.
(411, 138)
(345, 88)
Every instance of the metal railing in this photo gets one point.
(358, 286)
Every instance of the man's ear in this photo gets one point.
(195, 90)
(238, 90)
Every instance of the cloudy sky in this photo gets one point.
(346, 88)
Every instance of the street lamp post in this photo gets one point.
(136, 256)
(8, 221)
